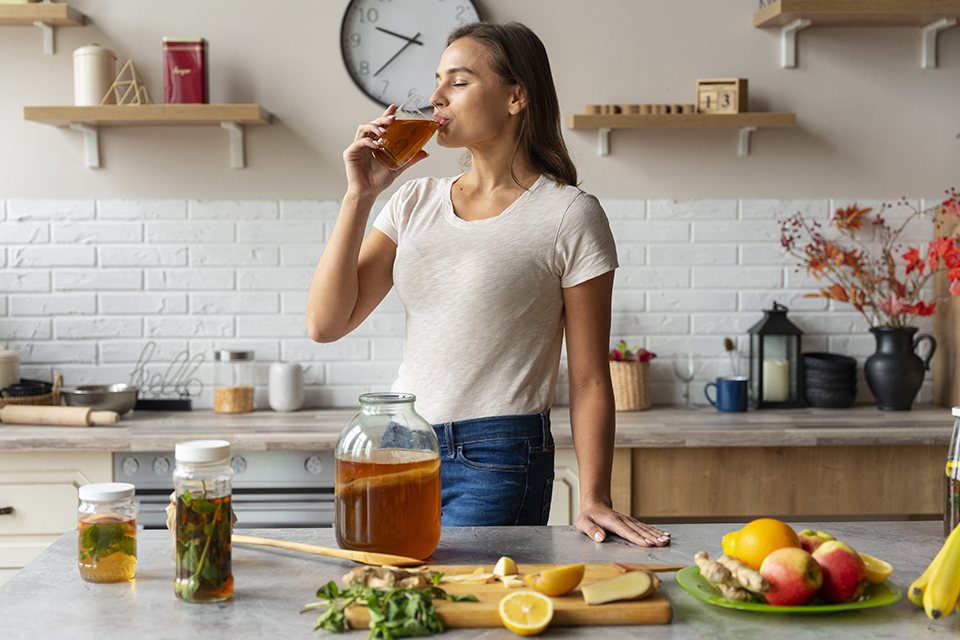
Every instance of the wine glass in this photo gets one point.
(685, 367)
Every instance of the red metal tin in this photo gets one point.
(185, 71)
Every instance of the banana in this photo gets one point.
(943, 587)
(915, 593)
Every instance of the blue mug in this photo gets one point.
(731, 393)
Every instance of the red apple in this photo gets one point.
(844, 574)
(810, 539)
(794, 577)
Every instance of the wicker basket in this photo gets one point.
(631, 385)
(49, 399)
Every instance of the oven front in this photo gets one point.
(271, 489)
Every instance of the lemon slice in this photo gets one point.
(526, 612)
(877, 570)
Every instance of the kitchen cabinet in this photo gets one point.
(793, 15)
(41, 488)
(88, 120)
(44, 16)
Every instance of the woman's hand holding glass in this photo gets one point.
(366, 176)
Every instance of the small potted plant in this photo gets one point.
(630, 372)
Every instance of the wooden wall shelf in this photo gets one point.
(45, 16)
(232, 117)
(793, 15)
(745, 122)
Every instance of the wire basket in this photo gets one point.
(48, 399)
(631, 385)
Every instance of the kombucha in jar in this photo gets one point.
(107, 532)
(388, 479)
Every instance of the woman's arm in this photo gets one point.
(587, 326)
(353, 274)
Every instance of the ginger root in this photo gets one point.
(712, 571)
(748, 578)
(387, 577)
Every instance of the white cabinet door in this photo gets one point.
(565, 503)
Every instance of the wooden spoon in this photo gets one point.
(625, 567)
(363, 557)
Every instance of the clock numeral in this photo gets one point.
(370, 15)
(364, 68)
(355, 39)
(460, 10)
(386, 83)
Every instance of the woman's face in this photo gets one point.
(473, 105)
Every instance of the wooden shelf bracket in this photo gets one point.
(603, 141)
(237, 160)
(788, 41)
(48, 47)
(91, 142)
(930, 31)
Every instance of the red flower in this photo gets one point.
(914, 261)
(921, 309)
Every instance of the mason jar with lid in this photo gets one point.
(107, 532)
(202, 481)
(234, 376)
(387, 469)
(951, 479)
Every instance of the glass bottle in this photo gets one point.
(107, 532)
(234, 376)
(387, 470)
(202, 480)
(951, 479)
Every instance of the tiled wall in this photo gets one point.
(85, 285)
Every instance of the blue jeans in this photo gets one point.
(496, 471)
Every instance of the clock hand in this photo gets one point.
(411, 40)
(402, 49)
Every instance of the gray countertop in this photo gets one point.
(659, 427)
(47, 599)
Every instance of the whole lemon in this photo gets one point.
(759, 539)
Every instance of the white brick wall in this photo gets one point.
(84, 285)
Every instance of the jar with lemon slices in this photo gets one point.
(951, 479)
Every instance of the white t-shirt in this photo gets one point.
(483, 298)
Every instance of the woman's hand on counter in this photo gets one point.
(598, 520)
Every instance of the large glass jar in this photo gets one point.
(202, 479)
(951, 479)
(387, 472)
(234, 376)
(107, 532)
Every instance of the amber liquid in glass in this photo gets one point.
(108, 548)
(389, 502)
(951, 503)
(402, 140)
(204, 571)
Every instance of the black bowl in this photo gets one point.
(26, 388)
(828, 362)
(830, 398)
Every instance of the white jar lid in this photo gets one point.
(202, 451)
(94, 50)
(956, 411)
(107, 491)
(9, 356)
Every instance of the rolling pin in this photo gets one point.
(60, 416)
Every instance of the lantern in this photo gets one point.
(775, 363)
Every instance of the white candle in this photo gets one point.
(776, 381)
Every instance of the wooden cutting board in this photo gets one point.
(568, 611)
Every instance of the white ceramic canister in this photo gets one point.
(286, 386)
(94, 70)
(9, 368)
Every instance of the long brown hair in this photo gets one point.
(518, 57)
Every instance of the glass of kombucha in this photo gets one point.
(413, 127)
(387, 471)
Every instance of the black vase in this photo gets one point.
(894, 373)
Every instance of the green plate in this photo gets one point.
(875, 595)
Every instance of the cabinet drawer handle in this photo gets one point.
(6, 511)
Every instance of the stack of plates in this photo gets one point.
(830, 380)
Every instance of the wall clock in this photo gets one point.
(391, 48)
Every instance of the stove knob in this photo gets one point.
(238, 464)
(314, 465)
(161, 466)
(130, 466)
